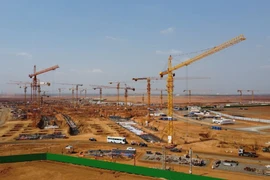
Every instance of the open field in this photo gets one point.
(251, 112)
(55, 171)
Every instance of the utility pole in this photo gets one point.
(190, 165)
(164, 158)
(189, 95)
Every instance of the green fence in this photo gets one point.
(22, 158)
(144, 171)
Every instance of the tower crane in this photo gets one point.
(100, 87)
(76, 88)
(23, 85)
(170, 76)
(161, 96)
(72, 92)
(189, 93)
(43, 95)
(241, 95)
(126, 88)
(35, 81)
(60, 91)
(118, 88)
(148, 79)
(85, 92)
(100, 92)
(126, 93)
(252, 93)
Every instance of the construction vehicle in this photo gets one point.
(266, 149)
(170, 72)
(242, 152)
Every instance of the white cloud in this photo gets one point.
(167, 31)
(96, 71)
(265, 66)
(112, 38)
(60, 72)
(73, 70)
(259, 46)
(169, 52)
(86, 71)
(24, 54)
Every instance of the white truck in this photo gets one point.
(131, 149)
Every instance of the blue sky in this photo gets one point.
(95, 42)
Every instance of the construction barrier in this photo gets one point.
(139, 170)
(23, 157)
(216, 127)
(241, 118)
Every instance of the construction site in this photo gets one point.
(144, 127)
(163, 131)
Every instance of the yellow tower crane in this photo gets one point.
(170, 74)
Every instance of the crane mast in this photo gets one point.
(170, 74)
(241, 95)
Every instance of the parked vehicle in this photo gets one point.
(170, 146)
(242, 152)
(176, 150)
(133, 143)
(118, 140)
(158, 153)
(230, 163)
(149, 152)
(92, 139)
(142, 144)
(266, 149)
(69, 147)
